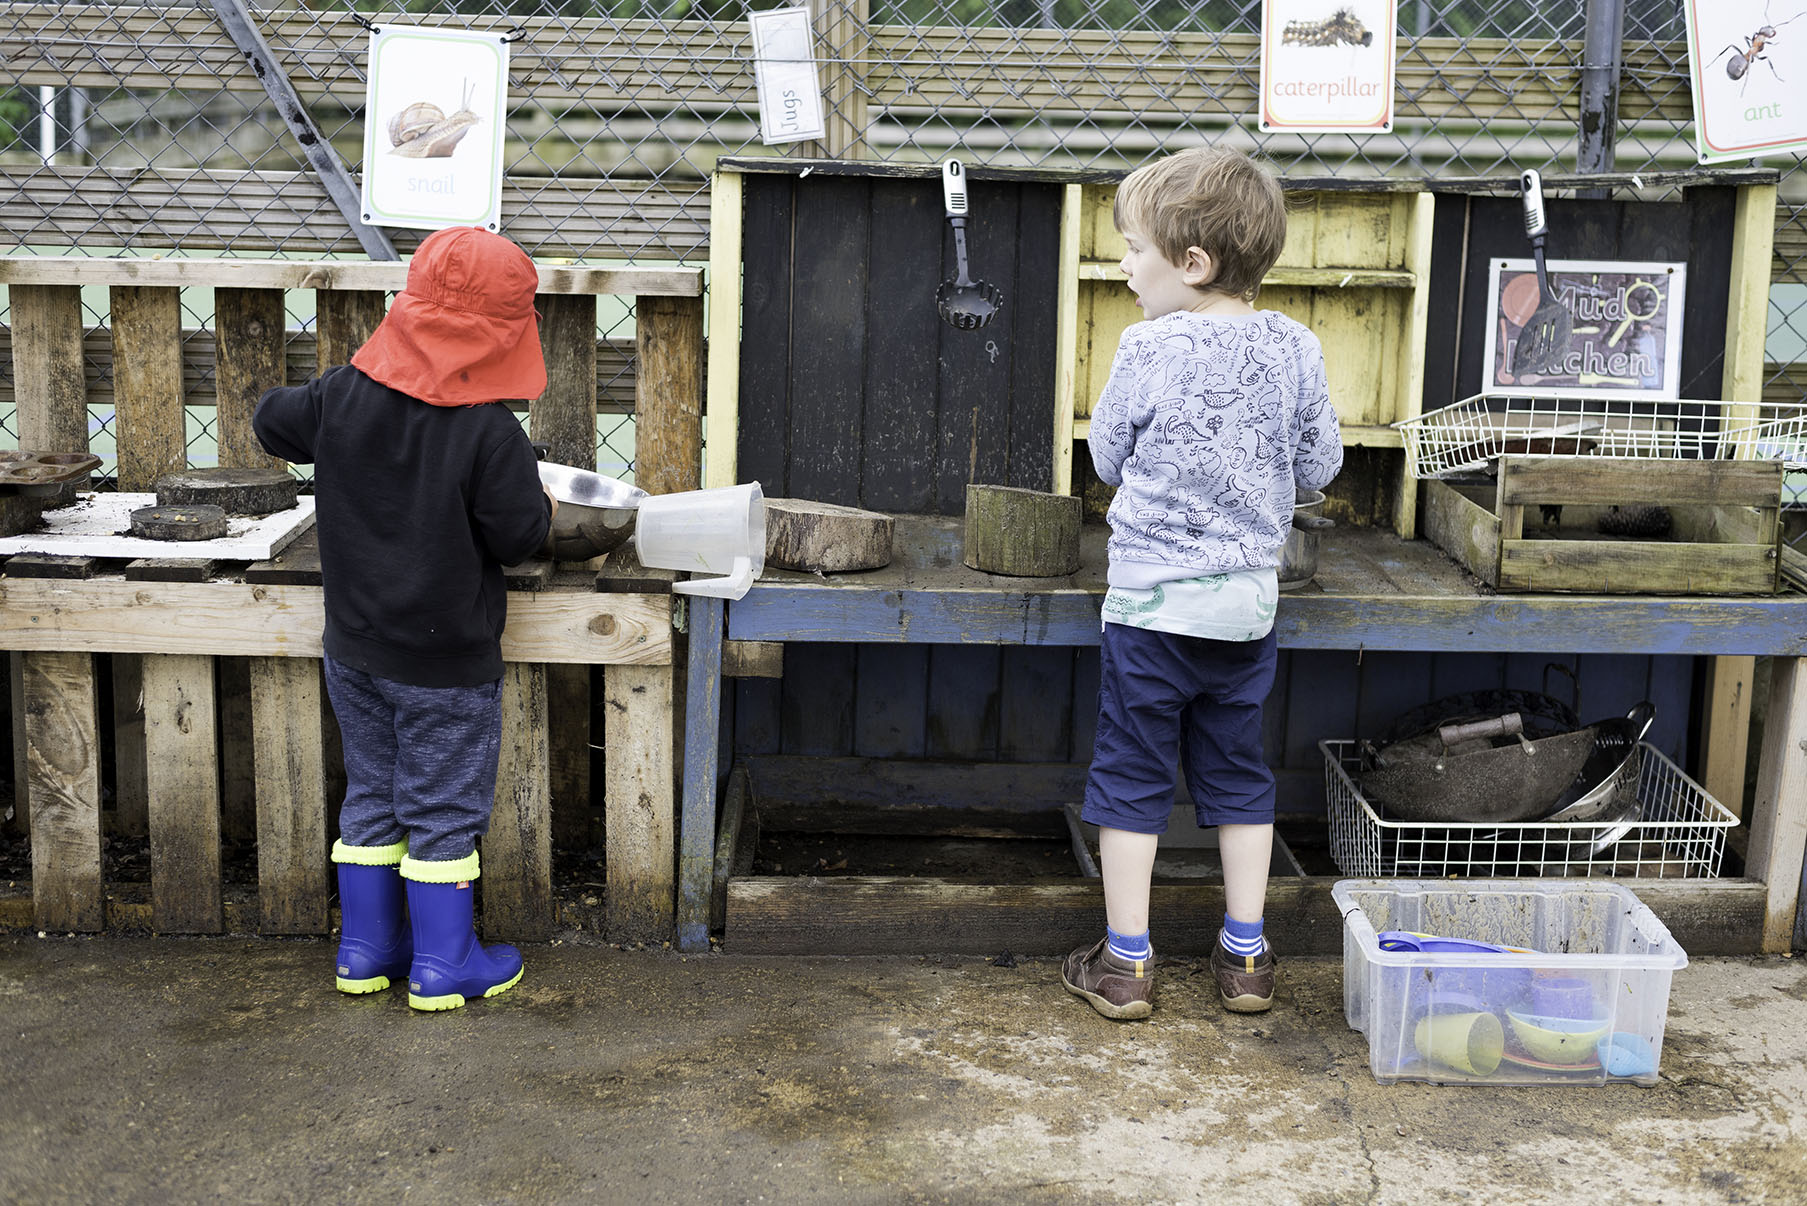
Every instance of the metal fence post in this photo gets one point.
(1600, 62)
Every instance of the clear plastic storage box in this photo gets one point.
(1579, 995)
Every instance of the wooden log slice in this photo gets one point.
(236, 491)
(1023, 533)
(179, 523)
(824, 538)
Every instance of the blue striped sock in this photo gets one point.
(1241, 937)
(1129, 946)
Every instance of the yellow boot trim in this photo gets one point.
(358, 987)
(370, 856)
(452, 871)
(456, 1000)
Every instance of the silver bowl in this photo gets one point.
(580, 532)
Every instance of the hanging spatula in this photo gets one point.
(1543, 342)
(963, 302)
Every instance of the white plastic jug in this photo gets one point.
(719, 531)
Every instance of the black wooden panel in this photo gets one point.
(1031, 439)
(757, 705)
(898, 455)
(828, 339)
(1709, 291)
(1035, 723)
(891, 705)
(1085, 703)
(963, 701)
(1696, 229)
(765, 320)
(1443, 327)
(818, 698)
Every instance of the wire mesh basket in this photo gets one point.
(1678, 832)
(1466, 435)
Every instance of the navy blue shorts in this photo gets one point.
(1165, 698)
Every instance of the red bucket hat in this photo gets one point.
(463, 330)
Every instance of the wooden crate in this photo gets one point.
(1534, 528)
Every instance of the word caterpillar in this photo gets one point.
(1343, 27)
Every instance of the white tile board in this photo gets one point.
(100, 524)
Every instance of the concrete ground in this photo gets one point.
(172, 1070)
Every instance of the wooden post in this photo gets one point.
(62, 748)
(152, 430)
(249, 337)
(702, 737)
(182, 777)
(1725, 740)
(50, 384)
(564, 417)
(344, 319)
(1779, 812)
(50, 390)
(287, 718)
(641, 864)
(846, 38)
(668, 400)
(517, 851)
(725, 221)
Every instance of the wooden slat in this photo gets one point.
(238, 758)
(182, 779)
(345, 319)
(668, 405)
(152, 428)
(1779, 812)
(517, 851)
(641, 824)
(336, 275)
(700, 776)
(564, 416)
(722, 414)
(234, 619)
(48, 375)
(868, 915)
(1605, 481)
(62, 751)
(1726, 729)
(250, 327)
(605, 63)
(287, 705)
(614, 361)
(1641, 567)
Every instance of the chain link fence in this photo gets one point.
(138, 128)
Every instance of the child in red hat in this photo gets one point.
(424, 492)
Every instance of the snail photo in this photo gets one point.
(423, 131)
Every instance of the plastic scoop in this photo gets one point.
(963, 302)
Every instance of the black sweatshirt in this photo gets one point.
(419, 507)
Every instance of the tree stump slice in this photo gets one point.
(824, 538)
(236, 491)
(179, 523)
(1022, 533)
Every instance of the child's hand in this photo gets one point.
(554, 501)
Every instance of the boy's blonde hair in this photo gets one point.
(1212, 198)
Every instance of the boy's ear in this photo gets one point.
(1198, 268)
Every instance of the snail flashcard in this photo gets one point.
(435, 116)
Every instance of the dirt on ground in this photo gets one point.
(162, 1069)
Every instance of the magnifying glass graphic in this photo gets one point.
(1653, 306)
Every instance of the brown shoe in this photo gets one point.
(1246, 983)
(1117, 988)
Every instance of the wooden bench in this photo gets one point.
(169, 639)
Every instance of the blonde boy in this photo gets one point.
(1214, 413)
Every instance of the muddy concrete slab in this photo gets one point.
(158, 1069)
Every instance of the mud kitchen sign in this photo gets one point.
(433, 123)
(1625, 326)
(784, 70)
(1327, 65)
(1745, 105)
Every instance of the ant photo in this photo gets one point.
(1738, 67)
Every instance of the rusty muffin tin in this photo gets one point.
(43, 472)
